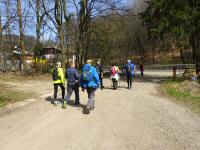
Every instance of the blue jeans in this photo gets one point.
(70, 89)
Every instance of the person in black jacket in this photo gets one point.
(100, 72)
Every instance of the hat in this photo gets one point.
(89, 61)
(58, 64)
(128, 61)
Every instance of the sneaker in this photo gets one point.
(77, 103)
(92, 108)
(64, 106)
(55, 103)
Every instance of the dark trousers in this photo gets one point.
(115, 83)
(101, 82)
(56, 90)
(142, 73)
(70, 89)
(91, 95)
(129, 81)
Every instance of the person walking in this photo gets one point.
(100, 72)
(130, 71)
(58, 80)
(89, 82)
(115, 76)
(73, 83)
(142, 69)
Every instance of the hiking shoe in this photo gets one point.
(92, 108)
(55, 103)
(77, 103)
(86, 110)
(64, 106)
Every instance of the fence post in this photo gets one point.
(174, 72)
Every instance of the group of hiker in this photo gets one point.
(128, 70)
(89, 80)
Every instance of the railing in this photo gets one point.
(169, 67)
(160, 70)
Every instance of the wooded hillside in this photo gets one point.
(152, 32)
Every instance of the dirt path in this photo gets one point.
(137, 119)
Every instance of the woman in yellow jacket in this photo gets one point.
(58, 80)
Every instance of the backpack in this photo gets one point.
(113, 71)
(87, 74)
(55, 74)
(129, 69)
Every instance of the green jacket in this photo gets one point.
(61, 75)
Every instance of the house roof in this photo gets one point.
(46, 51)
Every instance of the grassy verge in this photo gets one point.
(9, 95)
(187, 92)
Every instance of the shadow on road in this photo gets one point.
(70, 103)
(51, 99)
(151, 79)
(111, 88)
(146, 78)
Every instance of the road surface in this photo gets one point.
(137, 119)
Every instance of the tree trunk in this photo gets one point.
(38, 32)
(22, 47)
(1, 42)
(59, 21)
(140, 49)
(8, 26)
(182, 56)
(196, 49)
(66, 28)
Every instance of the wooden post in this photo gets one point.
(174, 72)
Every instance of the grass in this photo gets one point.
(184, 91)
(9, 95)
(2, 102)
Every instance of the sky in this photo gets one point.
(29, 27)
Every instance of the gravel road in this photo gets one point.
(137, 119)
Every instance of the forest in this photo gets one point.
(145, 31)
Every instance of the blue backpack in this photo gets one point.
(130, 70)
(87, 74)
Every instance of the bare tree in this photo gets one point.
(8, 31)
(1, 39)
(67, 19)
(22, 47)
(88, 10)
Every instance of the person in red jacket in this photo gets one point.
(142, 69)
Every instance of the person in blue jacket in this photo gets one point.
(73, 82)
(89, 82)
(130, 71)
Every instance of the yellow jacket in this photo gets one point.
(61, 75)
